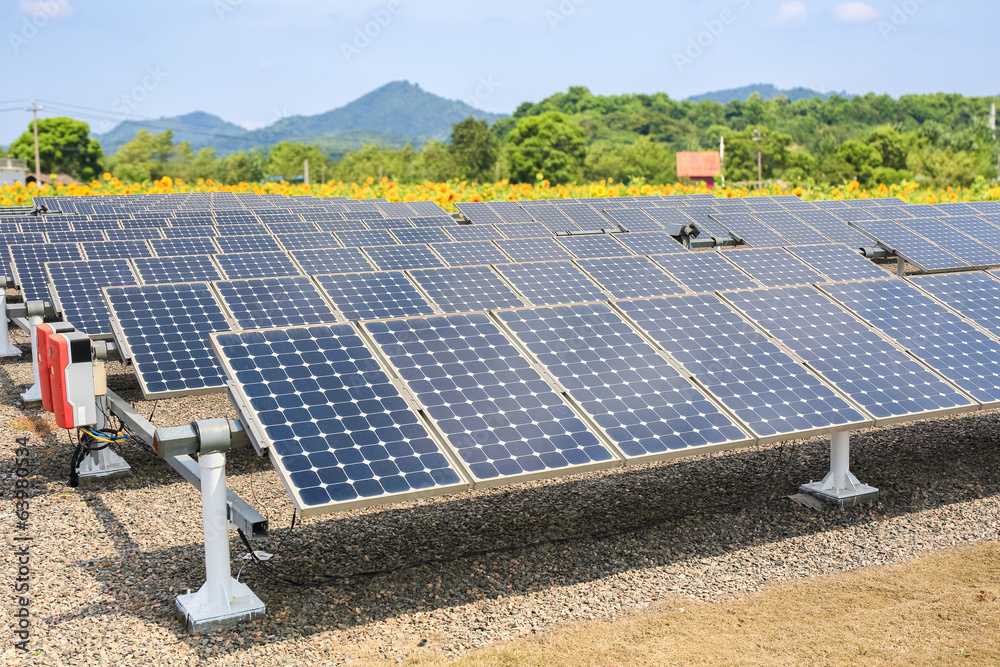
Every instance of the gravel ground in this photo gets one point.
(108, 560)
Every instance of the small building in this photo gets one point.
(12, 170)
(699, 166)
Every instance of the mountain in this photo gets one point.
(767, 91)
(393, 115)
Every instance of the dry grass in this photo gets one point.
(939, 609)
(41, 425)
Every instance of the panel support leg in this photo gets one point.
(222, 601)
(7, 349)
(900, 267)
(33, 396)
(840, 486)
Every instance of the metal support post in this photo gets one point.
(840, 486)
(221, 601)
(101, 464)
(7, 349)
(900, 267)
(33, 396)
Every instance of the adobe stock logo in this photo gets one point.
(703, 40)
(899, 17)
(365, 34)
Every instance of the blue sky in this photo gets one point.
(253, 61)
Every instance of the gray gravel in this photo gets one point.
(108, 560)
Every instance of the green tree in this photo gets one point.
(862, 158)
(64, 146)
(188, 166)
(242, 168)
(474, 150)
(549, 144)
(144, 157)
(891, 145)
(287, 160)
(644, 160)
(434, 163)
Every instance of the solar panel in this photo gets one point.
(356, 239)
(103, 250)
(838, 262)
(585, 216)
(338, 431)
(790, 227)
(523, 230)
(764, 387)
(594, 246)
(396, 209)
(75, 288)
(96, 224)
(183, 268)
(465, 289)
(752, 231)
(426, 208)
(375, 295)
(496, 412)
(704, 271)
(280, 228)
(773, 267)
(46, 226)
(889, 212)
(76, 237)
(145, 224)
(257, 265)
(697, 214)
(510, 211)
(183, 246)
(957, 208)
(474, 233)
(533, 250)
(164, 330)
(973, 294)
(388, 223)
(338, 226)
(849, 355)
(551, 283)
(635, 220)
(434, 221)
(634, 395)
(550, 217)
(402, 257)
(115, 235)
(313, 241)
(630, 277)
(27, 263)
(910, 245)
(263, 303)
(834, 228)
(331, 260)
(244, 229)
(421, 235)
(939, 338)
(977, 228)
(853, 214)
(954, 241)
(254, 243)
(650, 243)
(470, 253)
(188, 232)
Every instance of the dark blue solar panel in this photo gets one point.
(764, 387)
(910, 245)
(704, 271)
(849, 354)
(685, 216)
(375, 295)
(635, 220)
(939, 338)
(243, 229)
(388, 223)
(337, 429)
(533, 250)
(76, 237)
(591, 247)
(434, 221)
(257, 265)
(977, 228)
(183, 246)
(650, 243)
(165, 329)
(640, 401)
(27, 262)
(313, 241)
(183, 268)
(790, 227)
(140, 234)
(275, 302)
(525, 230)
(773, 267)
(338, 226)
(464, 289)
(365, 237)
(188, 231)
(501, 418)
(551, 283)
(834, 228)
(630, 277)
(256, 243)
(510, 211)
(421, 235)
(281, 228)
(964, 247)
(975, 295)
(479, 213)
(838, 262)
(331, 260)
(96, 224)
(403, 257)
(470, 253)
(751, 230)
(76, 291)
(474, 233)
(102, 250)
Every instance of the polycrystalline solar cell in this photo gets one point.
(765, 388)
(102, 250)
(331, 260)
(964, 247)
(650, 243)
(437, 221)
(278, 228)
(704, 271)
(244, 229)
(790, 227)
(591, 247)
(501, 418)
(307, 241)
(421, 235)
(275, 302)
(510, 211)
(848, 354)
(402, 257)
(165, 330)
(838, 262)
(973, 294)
(465, 289)
(910, 245)
(188, 232)
(375, 295)
(27, 262)
(524, 230)
(636, 220)
(337, 429)
(639, 400)
(533, 250)
(357, 239)
(630, 277)
(939, 338)
(752, 231)
(76, 288)
(470, 253)
(551, 283)
(338, 226)
(76, 237)
(834, 228)
(773, 267)
(184, 246)
(977, 228)
(479, 213)
(183, 268)
(256, 243)
(257, 265)
(389, 223)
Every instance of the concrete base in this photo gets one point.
(100, 465)
(200, 616)
(842, 497)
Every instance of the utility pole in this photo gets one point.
(722, 159)
(759, 138)
(993, 126)
(34, 109)
(305, 172)
(322, 172)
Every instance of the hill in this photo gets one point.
(767, 91)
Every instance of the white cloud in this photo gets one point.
(790, 13)
(855, 12)
(50, 8)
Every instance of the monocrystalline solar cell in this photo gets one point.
(184, 246)
(102, 250)
(426, 208)
(765, 388)
(388, 223)
(501, 418)
(470, 253)
(375, 295)
(76, 237)
(910, 245)
(751, 230)
(630, 277)
(773, 267)
(188, 232)
(834, 228)
(421, 235)
(466, 289)
(962, 246)
(262, 303)
(257, 265)
(704, 271)
(551, 283)
(790, 227)
(977, 228)
(76, 291)
(336, 428)
(183, 268)
(635, 220)
(585, 216)
(593, 246)
(697, 214)
(165, 332)
(277, 228)
(533, 250)
(650, 243)
(396, 209)
(27, 262)
(403, 257)
(244, 229)
(445, 221)
(524, 230)
(356, 239)
(838, 262)
(331, 260)
(96, 224)
(310, 241)
(973, 294)
(337, 226)
(256, 243)
(848, 354)
(510, 211)
(958, 208)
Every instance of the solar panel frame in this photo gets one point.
(26, 263)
